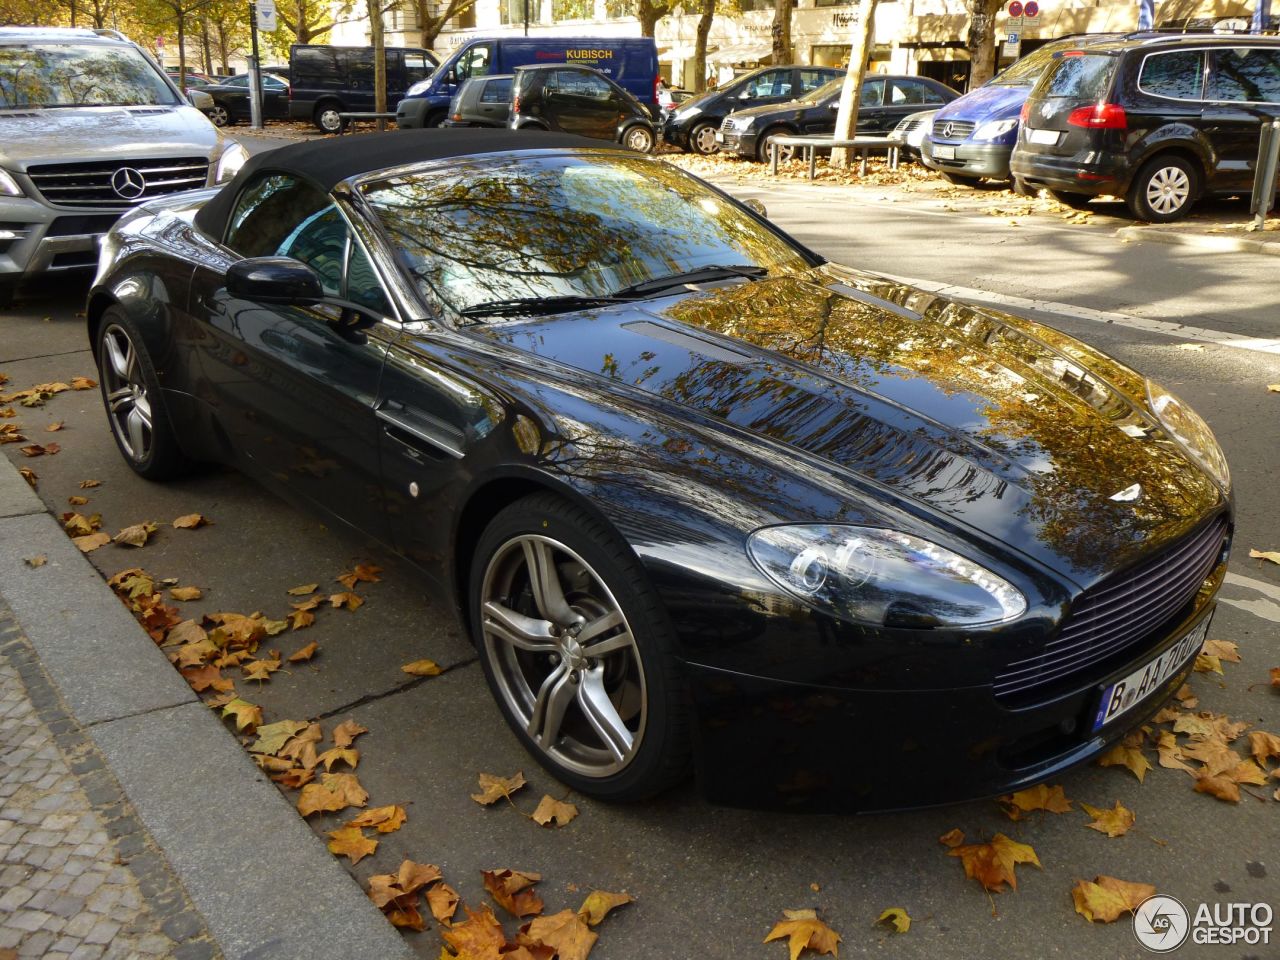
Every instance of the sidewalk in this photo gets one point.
(1211, 233)
(131, 821)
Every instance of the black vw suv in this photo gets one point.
(1157, 119)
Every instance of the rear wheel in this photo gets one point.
(1077, 201)
(784, 153)
(219, 115)
(638, 138)
(578, 651)
(327, 117)
(135, 406)
(702, 139)
(1164, 189)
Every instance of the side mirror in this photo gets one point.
(280, 280)
(745, 95)
(199, 99)
(756, 207)
(833, 106)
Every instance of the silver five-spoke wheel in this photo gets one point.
(128, 402)
(563, 656)
(1168, 190)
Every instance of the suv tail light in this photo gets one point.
(656, 81)
(515, 102)
(1099, 116)
(1025, 115)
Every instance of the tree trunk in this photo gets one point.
(708, 13)
(379, 60)
(981, 40)
(205, 49)
(851, 93)
(224, 54)
(649, 13)
(303, 32)
(182, 48)
(781, 31)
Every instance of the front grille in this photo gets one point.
(73, 225)
(955, 130)
(728, 124)
(906, 126)
(90, 184)
(1120, 612)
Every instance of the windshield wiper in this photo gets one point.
(518, 306)
(714, 271)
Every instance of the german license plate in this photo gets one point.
(1123, 695)
(944, 153)
(1047, 137)
(719, 136)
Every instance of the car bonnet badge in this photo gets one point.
(1128, 494)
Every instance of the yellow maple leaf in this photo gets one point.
(952, 838)
(895, 918)
(511, 889)
(273, 736)
(992, 864)
(443, 901)
(386, 819)
(136, 535)
(565, 932)
(550, 809)
(1123, 755)
(304, 653)
(363, 573)
(303, 590)
(246, 715)
(803, 929)
(185, 594)
(493, 789)
(599, 903)
(191, 521)
(1227, 650)
(345, 733)
(1040, 797)
(1264, 745)
(340, 755)
(1105, 899)
(351, 843)
(422, 668)
(1272, 555)
(480, 935)
(347, 599)
(1114, 822)
(260, 670)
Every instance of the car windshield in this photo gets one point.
(79, 75)
(1025, 72)
(581, 225)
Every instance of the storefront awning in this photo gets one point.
(672, 54)
(741, 53)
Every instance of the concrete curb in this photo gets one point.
(249, 863)
(1217, 242)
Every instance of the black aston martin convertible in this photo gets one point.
(701, 497)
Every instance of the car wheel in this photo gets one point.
(577, 650)
(958, 179)
(784, 153)
(1077, 201)
(702, 139)
(134, 403)
(219, 115)
(638, 138)
(436, 119)
(1164, 189)
(327, 117)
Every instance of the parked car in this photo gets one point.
(326, 81)
(480, 102)
(973, 136)
(630, 62)
(693, 124)
(194, 81)
(582, 101)
(231, 99)
(67, 174)
(688, 486)
(1157, 119)
(911, 131)
(885, 101)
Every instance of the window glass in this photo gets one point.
(475, 62)
(268, 211)
(416, 67)
(1178, 75)
(771, 83)
(913, 91)
(320, 241)
(241, 80)
(872, 94)
(497, 91)
(363, 286)
(73, 75)
(271, 82)
(1084, 77)
(360, 69)
(314, 66)
(579, 83)
(812, 79)
(1251, 76)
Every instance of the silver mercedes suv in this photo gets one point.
(90, 127)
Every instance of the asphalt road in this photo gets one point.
(711, 881)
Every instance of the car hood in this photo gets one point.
(103, 133)
(1007, 428)
(992, 102)
(768, 109)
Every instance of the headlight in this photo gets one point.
(882, 577)
(9, 186)
(1190, 431)
(419, 88)
(684, 113)
(995, 128)
(744, 123)
(229, 164)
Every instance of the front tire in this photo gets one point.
(702, 139)
(133, 400)
(219, 115)
(785, 154)
(1164, 189)
(577, 650)
(327, 117)
(638, 138)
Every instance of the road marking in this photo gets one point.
(1162, 327)
(1261, 607)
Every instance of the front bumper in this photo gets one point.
(739, 143)
(37, 239)
(1104, 175)
(673, 134)
(989, 160)
(774, 744)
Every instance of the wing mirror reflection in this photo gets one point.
(756, 207)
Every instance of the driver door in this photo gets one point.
(294, 388)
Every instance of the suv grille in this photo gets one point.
(956, 130)
(117, 184)
(1120, 612)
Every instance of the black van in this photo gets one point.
(693, 124)
(326, 81)
(580, 100)
(1155, 118)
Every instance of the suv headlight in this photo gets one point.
(229, 164)
(995, 128)
(9, 186)
(883, 577)
(1186, 426)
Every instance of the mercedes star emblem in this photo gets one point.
(128, 183)
(946, 131)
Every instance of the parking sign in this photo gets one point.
(266, 15)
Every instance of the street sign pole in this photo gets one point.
(255, 76)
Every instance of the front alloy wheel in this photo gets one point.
(576, 650)
(703, 139)
(638, 138)
(128, 403)
(219, 116)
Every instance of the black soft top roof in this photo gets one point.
(326, 163)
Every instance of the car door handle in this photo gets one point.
(420, 435)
